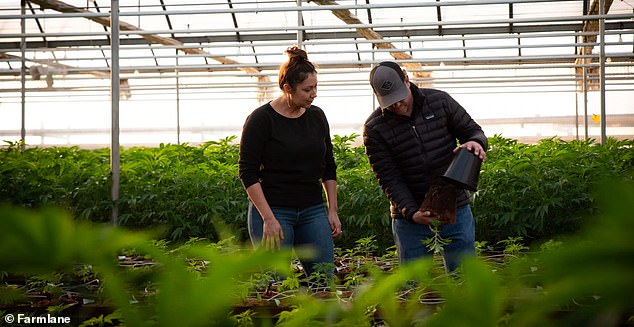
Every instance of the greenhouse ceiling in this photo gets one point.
(73, 35)
(193, 50)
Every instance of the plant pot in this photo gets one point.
(464, 170)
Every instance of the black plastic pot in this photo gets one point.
(464, 170)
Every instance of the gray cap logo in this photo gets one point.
(387, 85)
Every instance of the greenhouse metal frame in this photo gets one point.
(194, 53)
(61, 44)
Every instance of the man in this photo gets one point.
(410, 141)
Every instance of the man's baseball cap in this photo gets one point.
(388, 82)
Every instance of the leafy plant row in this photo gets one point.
(583, 280)
(546, 189)
(533, 191)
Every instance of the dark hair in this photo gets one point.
(296, 69)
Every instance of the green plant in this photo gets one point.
(366, 246)
(436, 243)
(536, 191)
(291, 282)
(243, 319)
(356, 277)
(589, 279)
(542, 190)
(347, 155)
(513, 246)
(584, 279)
(11, 294)
(35, 243)
(57, 310)
(112, 319)
(482, 247)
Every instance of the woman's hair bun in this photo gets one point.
(296, 68)
(296, 53)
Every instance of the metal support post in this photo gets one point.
(300, 24)
(23, 73)
(602, 68)
(115, 155)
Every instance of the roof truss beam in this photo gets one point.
(490, 30)
(152, 38)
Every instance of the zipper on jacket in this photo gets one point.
(415, 131)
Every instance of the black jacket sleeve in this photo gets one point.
(387, 172)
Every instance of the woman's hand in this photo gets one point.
(335, 224)
(272, 234)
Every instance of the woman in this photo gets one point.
(285, 154)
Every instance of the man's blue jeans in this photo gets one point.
(303, 228)
(409, 238)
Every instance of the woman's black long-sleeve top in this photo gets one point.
(289, 157)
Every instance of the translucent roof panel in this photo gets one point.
(498, 57)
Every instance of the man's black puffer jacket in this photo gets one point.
(408, 154)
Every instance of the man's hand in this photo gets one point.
(424, 217)
(475, 148)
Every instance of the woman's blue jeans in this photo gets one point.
(409, 238)
(303, 228)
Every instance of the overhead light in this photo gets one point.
(49, 78)
(124, 89)
(36, 72)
